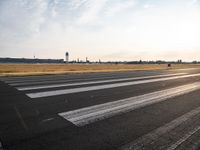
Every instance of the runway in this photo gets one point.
(129, 110)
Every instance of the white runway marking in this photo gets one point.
(92, 82)
(184, 138)
(153, 136)
(83, 116)
(99, 87)
(60, 80)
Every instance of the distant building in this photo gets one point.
(27, 60)
(66, 57)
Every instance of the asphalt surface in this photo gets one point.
(100, 111)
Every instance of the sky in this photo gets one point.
(110, 30)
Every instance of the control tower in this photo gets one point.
(67, 57)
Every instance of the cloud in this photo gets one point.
(21, 18)
(194, 1)
(91, 11)
(76, 4)
(116, 8)
(147, 6)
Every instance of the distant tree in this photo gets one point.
(195, 62)
(179, 61)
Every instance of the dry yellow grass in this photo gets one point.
(39, 69)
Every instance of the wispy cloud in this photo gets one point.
(120, 6)
(147, 6)
(194, 1)
(91, 11)
(22, 18)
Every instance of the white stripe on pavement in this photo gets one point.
(55, 81)
(83, 116)
(29, 82)
(147, 139)
(92, 82)
(99, 87)
(184, 138)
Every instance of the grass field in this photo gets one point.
(40, 69)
